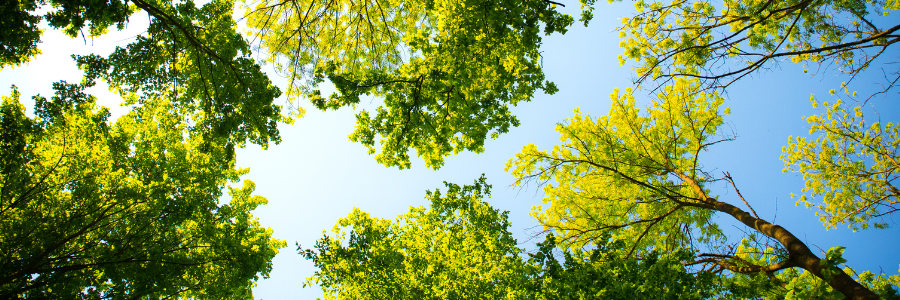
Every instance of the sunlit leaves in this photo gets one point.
(852, 164)
(447, 71)
(637, 177)
(723, 42)
(190, 55)
(800, 284)
(618, 174)
(601, 273)
(194, 57)
(458, 248)
(19, 32)
(461, 248)
(121, 210)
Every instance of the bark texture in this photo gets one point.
(798, 253)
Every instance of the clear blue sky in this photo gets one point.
(316, 176)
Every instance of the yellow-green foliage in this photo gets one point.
(447, 71)
(618, 173)
(458, 248)
(710, 39)
(128, 209)
(201, 64)
(461, 248)
(798, 284)
(190, 54)
(851, 163)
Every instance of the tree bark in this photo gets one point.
(798, 253)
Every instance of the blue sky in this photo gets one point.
(316, 176)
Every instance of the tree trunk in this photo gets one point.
(798, 252)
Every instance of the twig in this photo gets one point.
(728, 176)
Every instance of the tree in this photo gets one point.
(458, 249)
(447, 70)
(461, 248)
(130, 209)
(638, 177)
(688, 39)
(190, 55)
(852, 165)
(19, 33)
(601, 273)
(719, 44)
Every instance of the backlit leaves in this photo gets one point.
(194, 57)
(618, 174)
(122, 210)
(852, 164)
(721, 43)
(447, 71)
(458, 248)
(461, 248)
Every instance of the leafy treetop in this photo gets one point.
(190, 55)
(638, 177)
(92, 209)
(852, 164)
(721, 43)
(447, 70)
(640, 152)
(461, 248)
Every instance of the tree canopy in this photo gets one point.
(191, 55)
(638, 176)
(634, 177)
(720, 43)
(447, 71)
(136, 207)
(851, 164)
(461, 248)
(458, 248)
(96, 208)
(643, 154)
(121, 210)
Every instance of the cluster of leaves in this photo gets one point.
(190, 55)
(194, 56)
(800, 284)
(601, 273)
(130, 209)
(19, 32)
(638, 177)
(121, 210)
(722, 43)
(448, 71)
(460, 248)
(852, 165)
(619, 174)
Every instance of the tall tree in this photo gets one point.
(720, 43)
(94, 209)
(460, 248)
(638, 177)
(852, 164)
(131, 209)
(448, 71)
(191, 55)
